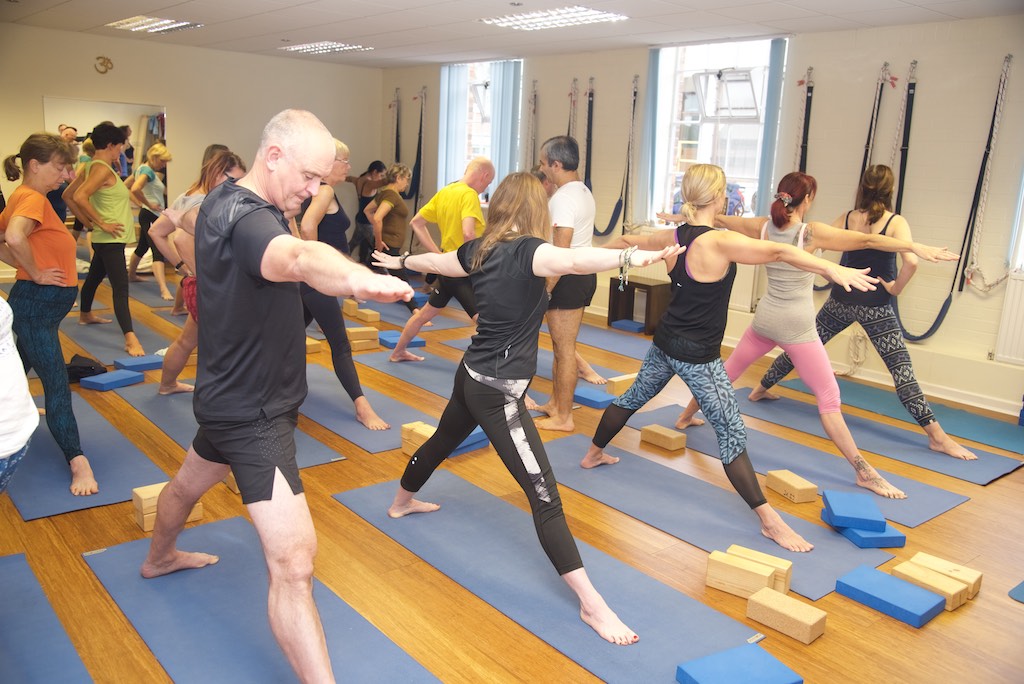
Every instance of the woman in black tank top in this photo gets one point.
(367, 185)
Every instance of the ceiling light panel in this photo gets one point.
(152, 25)
(555, 18)
(324, 47)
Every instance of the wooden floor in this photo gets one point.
(460, 638)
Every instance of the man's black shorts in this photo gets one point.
(573, 292)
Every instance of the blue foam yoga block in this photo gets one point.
(746, 664)
(476, 440)
(112, 380)
(867, 539)
(628, 325)
(891, 595)
(592, 396)
(389, 339)
(419, 299)
(852, 509)
(140, 363)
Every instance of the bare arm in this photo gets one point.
(901, 231)
(377, 213)
(19, 251)
(315, 213)
(468, 228)
(549, 260)
(751, 227)
(560, 237)
(98, 178)
(446, 264)
(419, 228)
(325, 269)
(136, 189)
(657, 240)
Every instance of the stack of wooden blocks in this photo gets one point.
(954, 583)
(144, 499)
(414, 435)
(363, 339)
(764, 580)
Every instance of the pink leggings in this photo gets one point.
(810, 359)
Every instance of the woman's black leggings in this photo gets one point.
(400, 273)
(146, 219)
(108, 262)
(497, 406)
(326, 311)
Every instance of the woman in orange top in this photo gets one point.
(35, 241)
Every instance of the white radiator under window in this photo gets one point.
(1010, 341)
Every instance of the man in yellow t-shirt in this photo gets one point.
(456, 211)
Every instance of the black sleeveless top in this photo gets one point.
(694, 323)
(882, 265)
(332, 227)
(363, 203)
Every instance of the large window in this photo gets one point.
(710, 109)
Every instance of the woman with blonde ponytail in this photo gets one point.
(506, 268)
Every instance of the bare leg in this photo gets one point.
(687, 417)
(161, 281)
(867, 476)
(177, 357)
(367, 416)
(412, 327)
(596, 613)
(595, 457)
(587, 372)
(404, 504)
(939, 441)
(289, 544)
(759, 393)
(132, 345)
(563, 325)
(83, 482)
(176, 501)
(776, 529)
(179, 303)
(133, 264)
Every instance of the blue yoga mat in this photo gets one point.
(704, 515)
(328, 404)
(768, 452)
(628, 344)
(40, 486)
(173, 414)
(210, 625)
(395, 313)
(171, 318)
(148, 292)
(1017, 593)
(106, 342)
(886, 440)
(545, 361)
(490, 547)
(954, 421)
(35, 647)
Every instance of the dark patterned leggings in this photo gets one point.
(880, 323)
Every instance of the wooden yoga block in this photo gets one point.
(364, 345)
(146, 520)
(890, 595)
(350, 307)
(783, 568)
(368, 315)
(954, 591)
(664, 437)
(144, 498)
(366, 333)
(737, 575)
(792, 617)
(792, 486)
(739, 665)
(619, 384)
(969, 576)
(231, 483)
(312, 345)
(414, 435)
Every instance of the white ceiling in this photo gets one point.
(409, 32)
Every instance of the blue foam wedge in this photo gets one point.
(112, 380)
(893, 596)
(476, 440)
(140, 363)
(746, 664)
(389, 339)
(891, 538)
(851, 509)
(628, 325)
(592, 396)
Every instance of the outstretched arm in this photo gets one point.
(447, 264)
(751, 227)
(549, 260)
(824, 236)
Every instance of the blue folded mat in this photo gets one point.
(329, 405)
(632, 345)
(768, 452)
(173, 414)
(1017, 593)
(699, 513)
(35, 647)
(210, 625)
(105, 342)
(887, 440)
(148, 292)
(39, 488)
(490, 547)
(955, 421)
(395, 313)
(746, 664)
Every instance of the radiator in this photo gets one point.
(1010, 340)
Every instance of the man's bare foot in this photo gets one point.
(176, 388)
(182, 560)
(83, 482)
(608, 626)
(592, 376)
(414, 506)
(592, 460)
(553, 423)
(531, 405)
(951, 448)
(166, 296)
(404, 355)
(872, 481)
(175, 312)
(368, 417)
(132, 345)
(42, 411)
(759, 393)
(92, 319)
(776, 529)
(683, 422)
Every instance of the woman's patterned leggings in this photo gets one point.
(883, 329)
